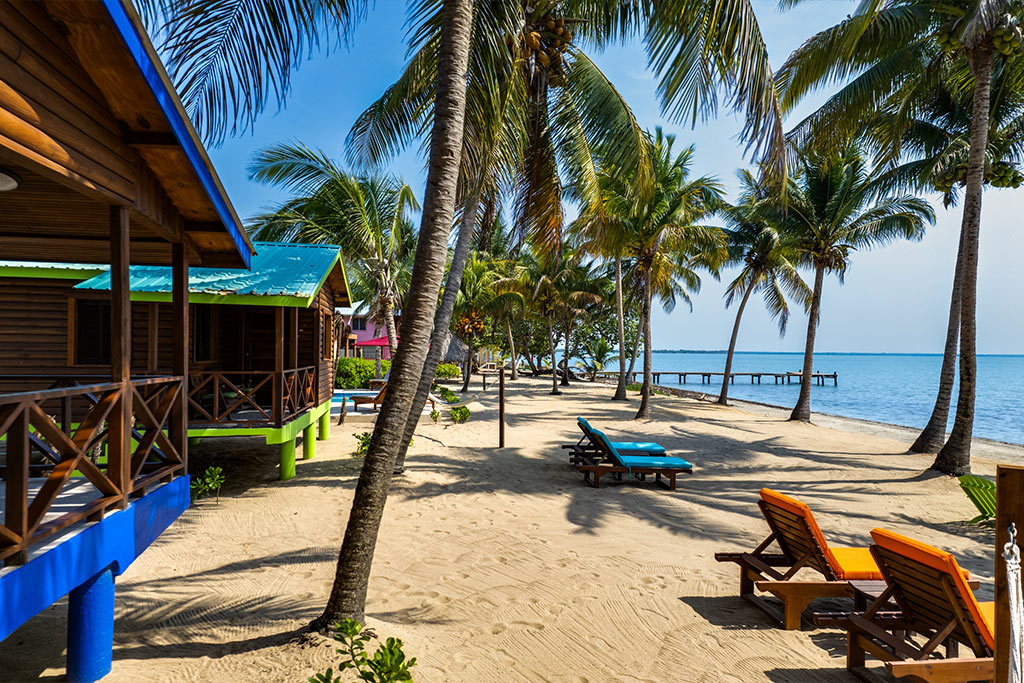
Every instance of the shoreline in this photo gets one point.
(987, 449)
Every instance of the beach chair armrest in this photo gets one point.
(945, 670)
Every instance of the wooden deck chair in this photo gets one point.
(379, 398)
(617, 463)
(932, 599)
(981, 492)
(588, 450)
(796, 533)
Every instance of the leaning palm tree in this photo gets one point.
(480, 294)
(832, 208)
(900, 50)
(367, 217)
(667, 245)
(767, 255)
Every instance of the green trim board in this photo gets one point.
(274, 435)
(237, 299)
(51, 271)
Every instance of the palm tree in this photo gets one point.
(833, 207)
(932, 148)
(480, 294)
(887, 45)
(665, 242)
(367, 217)
(767, 254)
(579, 287)
(599, 352)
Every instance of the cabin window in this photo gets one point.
(327, 338)
(91, 332)
(203, 344)
(358, 324)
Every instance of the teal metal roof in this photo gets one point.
(279, 275)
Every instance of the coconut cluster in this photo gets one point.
(948, 41)
(1007, 37)
(545, 39)
(999, 174)
(470, 324)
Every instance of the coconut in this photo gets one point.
(543, 58)
(550, 24)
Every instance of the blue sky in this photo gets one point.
(895, 299)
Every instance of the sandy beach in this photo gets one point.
(501, 565)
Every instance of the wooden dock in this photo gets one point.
(819, 378)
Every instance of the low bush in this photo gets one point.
(209, 482)
(386, 665)
(435, 415)
(459, 415)
(448, 371)
(356, 373)
(363, 444)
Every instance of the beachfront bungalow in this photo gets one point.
(260, 340)
(365, 338)
(98, 164)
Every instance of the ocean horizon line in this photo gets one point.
(828, 353)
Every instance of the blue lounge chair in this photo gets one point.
(639, 466)
(588, 451)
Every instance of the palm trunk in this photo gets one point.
(645, 391)
(389, 326)
(468, 371)
(565, 377)
(723, 398)
(348, 593)
(802, 410)
(934, 433)
(554, 370)
(620, 388)
(636, 344)
(514, 375)
(441, 336)
(533, 366)
(955, 456)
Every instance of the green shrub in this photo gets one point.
(459, 415)
(363, 445)
(210, 482)
(444, 392)
(386, 665)
(435, 415)
(356, 373)
(448, 371)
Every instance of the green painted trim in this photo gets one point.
(273, 435)
(309, 442)
(70, 273)
(324, 427)
(344, 275)
(236, 299)
(286, 465)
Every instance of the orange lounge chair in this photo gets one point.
(802, 545)
(932, 598)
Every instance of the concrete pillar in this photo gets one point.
(287, 468)
(308, 442)
(91, 628)
(324, 428)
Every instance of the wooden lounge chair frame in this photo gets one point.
(610, 463)
(928, 601)
(379, 398)
(981, 492)
(773, 572)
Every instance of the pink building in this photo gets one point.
(361, 331)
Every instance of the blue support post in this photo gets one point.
(91, 628)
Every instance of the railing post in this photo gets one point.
(16, 482)
(119, 457)
(179, 348)
(278, 366)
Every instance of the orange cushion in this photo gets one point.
(940, 560)
(856, 564)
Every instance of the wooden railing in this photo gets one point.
(50, 434)
(250, 398)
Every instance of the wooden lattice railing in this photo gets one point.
(249, 398)
(47, 437)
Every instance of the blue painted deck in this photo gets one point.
(57, 567)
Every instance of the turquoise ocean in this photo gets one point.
(893, 388)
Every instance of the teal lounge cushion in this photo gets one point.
(654, 462)
(645, 446)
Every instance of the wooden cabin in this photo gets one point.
(261, 347)
(98, 164)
